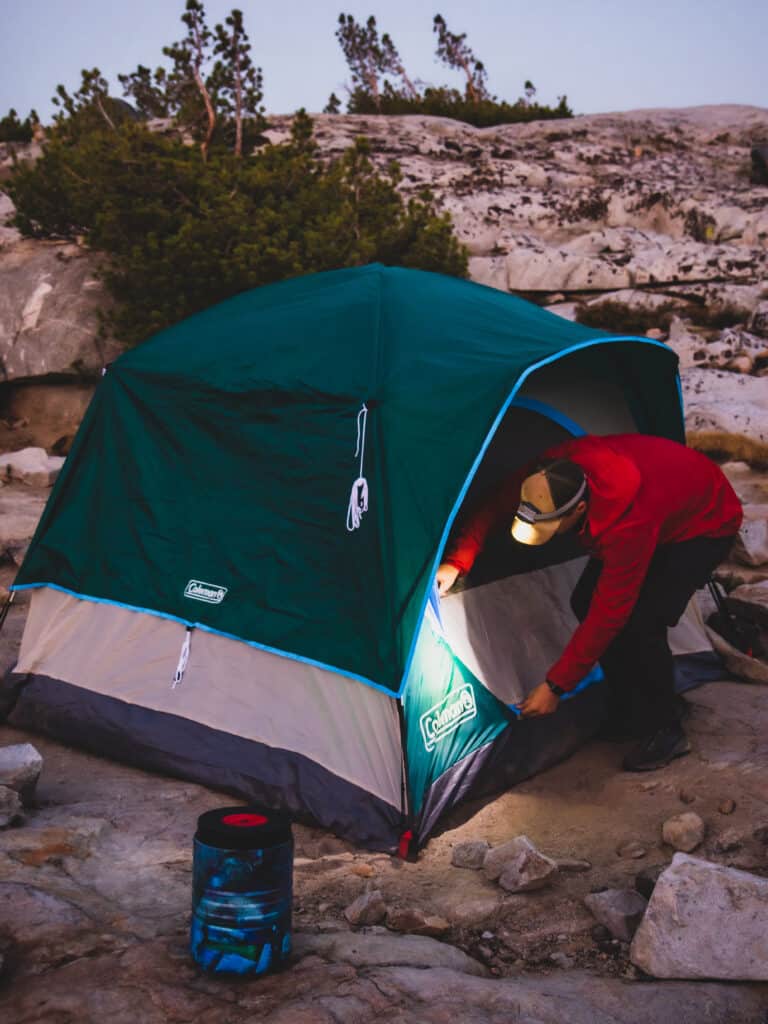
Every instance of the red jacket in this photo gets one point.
(643, 491)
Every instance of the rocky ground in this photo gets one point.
(95, 885)
(644, 222)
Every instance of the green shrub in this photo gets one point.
(12, 129)
(622, 319)
(179, 234)
(444, 102)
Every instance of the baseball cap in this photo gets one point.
(546, 497)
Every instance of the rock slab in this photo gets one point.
(382, 949)
(704, 921)
(31, 466)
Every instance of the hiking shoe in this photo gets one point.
(658, 749)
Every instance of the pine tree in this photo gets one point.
(187, 89)
(236, 82)
(148, 90)
(91, 98)
(392, 64)
(453, 50)
(362, 50)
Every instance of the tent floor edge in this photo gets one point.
(160, 742)
(525, 748)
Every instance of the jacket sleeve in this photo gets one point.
(499, 506)
(626, 556)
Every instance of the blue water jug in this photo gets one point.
(242, 890)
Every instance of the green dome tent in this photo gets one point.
(232, 576)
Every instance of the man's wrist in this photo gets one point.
(557, 690)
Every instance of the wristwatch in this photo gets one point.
(557, 690)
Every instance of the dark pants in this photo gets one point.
(638, 664)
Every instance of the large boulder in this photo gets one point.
(49, 303)
(726, 413)
(704, 921)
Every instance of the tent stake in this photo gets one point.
(6, 608)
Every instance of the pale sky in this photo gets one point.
(603, 55)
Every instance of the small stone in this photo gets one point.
(686, 797)
(573, 864)
(648, 787)
(728, 841)
(684, 831)
(562, 937)
(363, 870)
(600, 933)
(631, 850)
(10, 807)
(369, 908)
(470, 854)
(620, 910)
(20, 766)
(487, 935)
(323, 908)
(415, 922)
(646, 879)
(526, 868)
(560, 960)
(727, 806)
(485, 952)
(609, 948)
(519, 866)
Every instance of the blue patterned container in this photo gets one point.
(242, 891)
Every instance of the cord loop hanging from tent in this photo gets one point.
(358, 498)
(181, 667)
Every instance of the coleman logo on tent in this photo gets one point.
(208, 592)
(447, 715)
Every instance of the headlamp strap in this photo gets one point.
(530, 514)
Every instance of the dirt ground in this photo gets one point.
(111, 846)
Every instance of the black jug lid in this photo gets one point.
(243, 828)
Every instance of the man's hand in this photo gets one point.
(445, 577)
(540, 701)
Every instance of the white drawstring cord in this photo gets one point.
(178, 675)
(358, 499)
